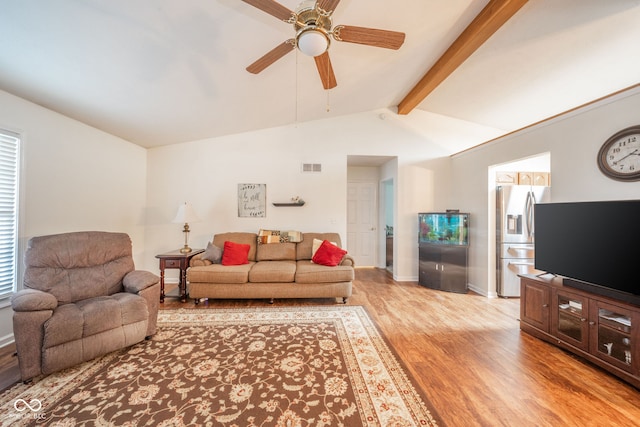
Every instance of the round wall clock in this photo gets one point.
(619, 156)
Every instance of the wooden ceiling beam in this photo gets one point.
(495, 14)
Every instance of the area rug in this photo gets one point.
(290, 367)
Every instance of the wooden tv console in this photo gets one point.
(602, 330)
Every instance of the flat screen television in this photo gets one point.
(444, 228)
(595, 246)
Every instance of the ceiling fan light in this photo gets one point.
(312, 42)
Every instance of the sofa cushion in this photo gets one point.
(218, 273)
(304, 248)
(133, 307)
(308, 272)
(276, 252)
(77, 266)
(328, 254)
(65, 325)
(273, 271)
(238, 237)
(72, 322)
(235, 253)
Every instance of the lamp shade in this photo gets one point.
(185, 214)
(312, 42)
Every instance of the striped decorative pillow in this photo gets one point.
(277, 236)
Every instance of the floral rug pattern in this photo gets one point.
(290, 367)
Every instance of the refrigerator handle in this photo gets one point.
(532, 230)
(528, 211)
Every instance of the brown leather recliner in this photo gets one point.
(82, 298)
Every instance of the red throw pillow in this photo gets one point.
(235, 253)
(328, 254)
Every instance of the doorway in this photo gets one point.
(386, 199)
(366, 218)
(362, 221)
(509, 173)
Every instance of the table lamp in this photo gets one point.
(185, 215)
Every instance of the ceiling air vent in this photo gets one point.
(311, 167)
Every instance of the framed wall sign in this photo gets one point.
(252, 200)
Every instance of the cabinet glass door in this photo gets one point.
(570, 320)
(614, 327)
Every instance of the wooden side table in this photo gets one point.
(179, 260)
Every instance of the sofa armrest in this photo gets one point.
(198, 261)
(33, 300)
(348, 261)
(138, 280)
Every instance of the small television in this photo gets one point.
(444, 228)
(594, 246)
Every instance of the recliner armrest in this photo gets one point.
(137, 280)
(33, 300)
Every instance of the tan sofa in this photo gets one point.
(82, 298)
(275, 270)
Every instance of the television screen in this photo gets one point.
(444, 228)
(594, 242)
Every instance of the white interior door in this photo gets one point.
(362, 222)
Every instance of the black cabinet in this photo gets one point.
(443, 267)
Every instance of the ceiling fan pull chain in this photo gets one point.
(296, 91)
(328, 101)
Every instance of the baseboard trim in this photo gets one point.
(478, 290)
(406, 278)
(7, 340)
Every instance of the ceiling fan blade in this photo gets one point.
(323, 63)
(272, 8)
(272, 56)
(369, 36)
(327, 5)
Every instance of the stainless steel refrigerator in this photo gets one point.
(515, 234)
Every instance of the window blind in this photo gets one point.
(9, 150)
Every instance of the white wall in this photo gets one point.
(206, 173)
(573, 142)
(74, 177)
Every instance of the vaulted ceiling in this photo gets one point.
(158, 72)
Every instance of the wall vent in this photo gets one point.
(311, 167)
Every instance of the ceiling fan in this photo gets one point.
(313, 33)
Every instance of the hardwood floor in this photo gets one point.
(9, 372)
(470, 359)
